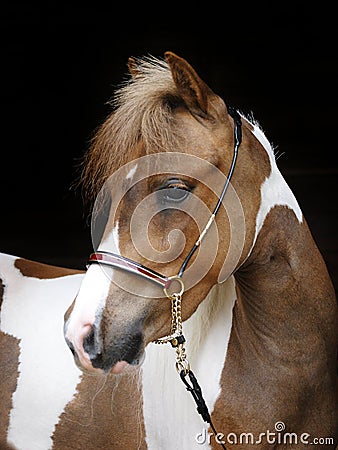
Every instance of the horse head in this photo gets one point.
(169, 145)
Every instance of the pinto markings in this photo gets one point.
(89, 304)
(274, 190)
(111, 241)
(32, 312)
(43, 271)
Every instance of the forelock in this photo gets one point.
(142, 115)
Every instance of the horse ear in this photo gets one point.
(133, 67)
(198, 97)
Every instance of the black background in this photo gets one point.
(61, 63)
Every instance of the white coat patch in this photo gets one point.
(274, 191)
(111, 242)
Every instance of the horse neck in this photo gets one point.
(284, 290)
(209, 327)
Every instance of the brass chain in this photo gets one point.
(176, 320)
(176, 338)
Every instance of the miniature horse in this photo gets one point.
(260, 322)
(208, 217)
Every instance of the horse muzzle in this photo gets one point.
(110, 353)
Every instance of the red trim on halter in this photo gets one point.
(120, 262)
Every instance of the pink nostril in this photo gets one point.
(81, 336)
(81, 341)
(86, 329)
(89, 343)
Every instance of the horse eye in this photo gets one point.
(174, 191)
(176, 194)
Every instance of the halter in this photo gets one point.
(176, 338)
(128, 265)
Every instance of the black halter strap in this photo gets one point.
(238, 139)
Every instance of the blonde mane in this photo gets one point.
(141, 123)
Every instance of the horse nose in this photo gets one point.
(82, 344)
(70, 345)
(89, 342)
(90, 345)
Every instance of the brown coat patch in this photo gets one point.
(280, 364)
(43, 271)
(106, 413)
(9, 361)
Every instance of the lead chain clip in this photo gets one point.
(176, 338)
